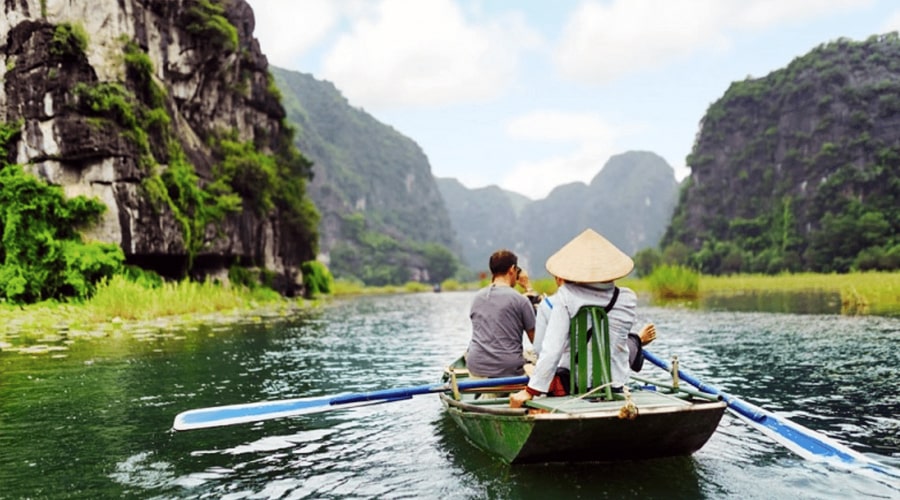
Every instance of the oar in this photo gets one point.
(219, 416)
(805, 442)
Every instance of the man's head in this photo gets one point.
(501, 261)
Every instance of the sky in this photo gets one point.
(531, 94)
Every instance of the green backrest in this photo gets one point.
(596, 348)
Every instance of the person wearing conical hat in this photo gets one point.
(587, 268)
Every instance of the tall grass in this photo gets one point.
(127, 300)
(861, 292)
(121, 300)
(674, 282)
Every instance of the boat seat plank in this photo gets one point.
(569, 404)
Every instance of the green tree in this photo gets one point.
(676, 253)
(646, 260)
(843, 236)
(440, 262)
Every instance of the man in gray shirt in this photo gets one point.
(499, 315)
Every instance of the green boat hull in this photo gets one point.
(665, 426)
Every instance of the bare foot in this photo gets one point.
(647, 334)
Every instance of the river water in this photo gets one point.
(93, 420)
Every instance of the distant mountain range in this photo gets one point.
(630, 201)
(794, 171)
(372, 183)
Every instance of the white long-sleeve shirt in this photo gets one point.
(551, 340)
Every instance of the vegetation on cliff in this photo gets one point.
(383, 219)
(799, 170)
(42, 255)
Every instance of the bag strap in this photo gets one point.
(607, 308)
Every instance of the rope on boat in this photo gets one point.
(582, 396)
(629, 410)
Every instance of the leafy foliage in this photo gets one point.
(646, 260)
(206, 18)
(41, 253)
(194, 207)
(377, 259)
(251, 174)
(69, 40)
(316, 278)
(440, 262)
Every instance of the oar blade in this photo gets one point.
(220, 416)
(809, 444)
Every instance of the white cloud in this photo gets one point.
(536, 179)
(414, 53)
(288, 28)
(764, 14)
(603, 41)
(594, 141)
(892, 23)
(559, 126)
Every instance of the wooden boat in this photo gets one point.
(642, 422)
(573, 429)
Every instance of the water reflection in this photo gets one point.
(775, 301)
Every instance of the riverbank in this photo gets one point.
(122, 305)
(861, 293)
(125, 306)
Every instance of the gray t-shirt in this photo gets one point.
(499, 316)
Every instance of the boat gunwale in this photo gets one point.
(464, 407)
(470, 409)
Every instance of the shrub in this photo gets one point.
(675, 282)
(316, 278)
(68, 40)
(646, 260)
(42, 255)
(207, 20)
(417, 287)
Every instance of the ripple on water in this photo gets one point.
(834, 375)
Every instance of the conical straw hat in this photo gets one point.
(589, 258)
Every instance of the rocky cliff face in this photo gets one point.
(485, 220)
(799, 169)
(112, 96)
(371, 183)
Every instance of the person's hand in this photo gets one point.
(523, 281)
(647, 334)
(518, 399)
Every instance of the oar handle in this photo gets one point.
(407, 392)
(746, 409)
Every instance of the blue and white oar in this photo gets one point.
(805, 442)
(220, 416)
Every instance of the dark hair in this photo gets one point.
(501, 261)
